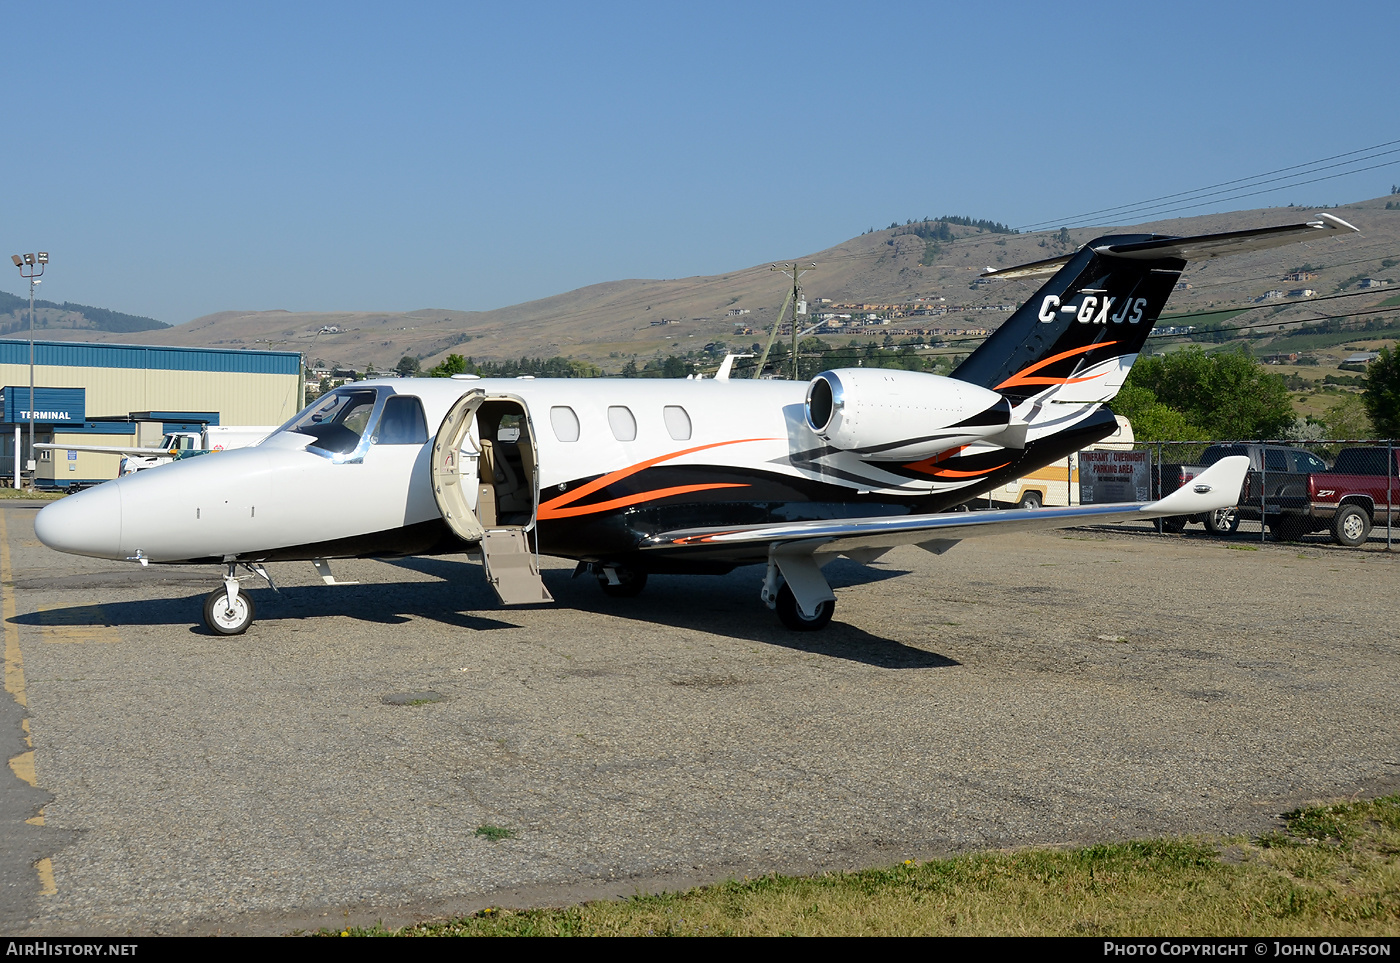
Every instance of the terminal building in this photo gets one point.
(130, 395)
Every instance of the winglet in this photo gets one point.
(1337, 222)
(1213, 489)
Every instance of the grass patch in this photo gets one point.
(1243, 548)
(44, 496)
(1330, 871)
(494, 833)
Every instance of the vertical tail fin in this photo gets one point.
(1082, 330)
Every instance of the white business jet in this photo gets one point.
(630, 477)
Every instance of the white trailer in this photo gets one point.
(1058, 484)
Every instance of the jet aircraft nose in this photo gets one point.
(88, 523)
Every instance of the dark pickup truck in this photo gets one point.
(1277, 477)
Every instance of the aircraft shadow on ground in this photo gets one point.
(393, 603)
(729, 606)
(458, 596)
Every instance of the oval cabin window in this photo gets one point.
(564, 422)
(624, 426)
(677, 422)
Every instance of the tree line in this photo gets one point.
(1191, 395)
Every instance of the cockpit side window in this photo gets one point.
(336, 421)
(401, 422)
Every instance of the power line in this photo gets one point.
(1269, 190)
(1255, 179)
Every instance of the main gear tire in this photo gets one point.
(792, 617)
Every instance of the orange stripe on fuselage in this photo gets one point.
(926, 466)
(547, 513)
(949, 473)
(554, 508)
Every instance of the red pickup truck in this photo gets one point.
(1360, 491)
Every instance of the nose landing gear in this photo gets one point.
(227, 611)
(223, 617)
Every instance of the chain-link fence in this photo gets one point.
(1343, 491)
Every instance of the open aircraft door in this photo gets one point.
(486, 483)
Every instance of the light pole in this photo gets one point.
(35, 264)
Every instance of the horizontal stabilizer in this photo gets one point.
(1198, 248)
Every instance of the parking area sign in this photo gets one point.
(1114, 476)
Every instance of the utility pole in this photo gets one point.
(794, 297)
(35, 265)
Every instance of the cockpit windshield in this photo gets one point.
(337, 420)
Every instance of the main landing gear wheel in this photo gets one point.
(630, 583)
(223, 620)
(792, 616)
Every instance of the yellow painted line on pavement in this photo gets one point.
(47, 887)
(14, 659)
(23, 764)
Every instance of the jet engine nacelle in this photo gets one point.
(884, 415)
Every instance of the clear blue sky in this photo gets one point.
(180, 159)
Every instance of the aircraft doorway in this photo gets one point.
(508, 484)
(486, 484)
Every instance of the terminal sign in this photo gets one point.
(47, 406)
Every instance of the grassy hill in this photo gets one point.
(609, 323)
(82, 318)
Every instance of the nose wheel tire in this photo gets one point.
(222, 620)
(791, 615)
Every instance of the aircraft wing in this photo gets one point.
(104, 449)
(865, 538)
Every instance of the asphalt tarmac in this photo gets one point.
(351, 757)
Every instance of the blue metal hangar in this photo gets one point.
(123, 394)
